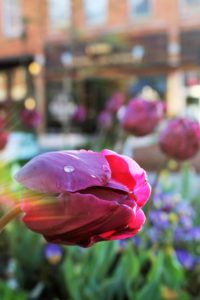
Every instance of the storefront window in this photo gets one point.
(12, 18)
(59, 13)
(188, 7)
(191, 2)
(95, 11)
(140, 8)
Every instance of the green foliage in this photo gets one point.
(8, 294)
(88, 272)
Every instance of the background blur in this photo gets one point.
(63, 60)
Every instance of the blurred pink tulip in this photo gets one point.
(181, 138)
(142, 116)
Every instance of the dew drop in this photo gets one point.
(68, 169)
(93, 176)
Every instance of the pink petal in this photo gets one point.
(120, 169)
(128, 173)
(133, 227)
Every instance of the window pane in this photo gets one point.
(140, 7)
(95, 11)
(12, 18)
(59, 13)
(191, 2)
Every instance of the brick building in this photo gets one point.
(83, 45)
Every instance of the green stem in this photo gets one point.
(16, 211)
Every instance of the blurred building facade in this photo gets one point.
(61, 52)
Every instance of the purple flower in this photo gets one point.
(185, 222)
(105, 119)
(83, 197)
(180, 139)
(115, 102)
(154, 234)
(31, 118)
(185, 259)
(80, 114)
(159, 219)
(179, 235)
(142, 116)
(53, 253)
(136, 241)
(194, 234)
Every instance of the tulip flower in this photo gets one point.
(142, 116)
(105, 119)
(80, 114)
(181, 138)
(115, 102)
(83, 197)
(30, 118)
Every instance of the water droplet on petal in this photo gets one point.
(93, 176)
(68, 169)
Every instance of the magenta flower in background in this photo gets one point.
(31, 118)
(85, 196)
(105, 119)
(181, 138)
(80, 114)
(3, 139)
(142, 116)
(115, 102)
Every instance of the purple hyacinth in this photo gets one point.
(185, 259)
(53, 253)
(159, 219)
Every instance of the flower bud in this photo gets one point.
(142, 116)
(181, 138)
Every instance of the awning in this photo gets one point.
(15, 61)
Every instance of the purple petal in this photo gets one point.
(57, 172)
(75, 217)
